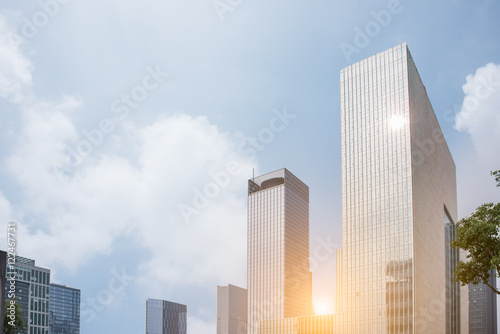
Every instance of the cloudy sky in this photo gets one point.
(129, 130)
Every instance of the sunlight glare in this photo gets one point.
(397, 122)
(323, 307)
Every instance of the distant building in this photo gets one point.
(278, 276)
(3, 295)
(32, 293)
(164, 317)
(64, 315)
(483, 308)
(231, 310)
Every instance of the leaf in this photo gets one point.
(479, 236)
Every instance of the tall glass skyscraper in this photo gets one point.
(278, 276)
(64, 316)
(398, 202)
(164, 317)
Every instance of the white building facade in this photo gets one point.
(232, 310)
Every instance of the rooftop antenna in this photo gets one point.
(253, 175)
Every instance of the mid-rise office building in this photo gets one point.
(278, 276)
(483, 307)
(3, 290)
(32, 290)
(232, 310)
(64, 310)
(399, 205)
(164, 317)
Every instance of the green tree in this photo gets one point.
(479, 236)
(496, 174)
(13, 318)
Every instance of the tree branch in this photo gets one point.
(492, 288)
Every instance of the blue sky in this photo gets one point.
(116, 115)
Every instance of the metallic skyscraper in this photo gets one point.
(398, 201)
(278, 276)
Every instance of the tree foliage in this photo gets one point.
(496, 174)
(479, 236)
(13, 318)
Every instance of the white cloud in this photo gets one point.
(132, 185)
(5, 210)
(15, 68)
(113, 195)
(480, 113)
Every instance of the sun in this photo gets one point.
(322, 307)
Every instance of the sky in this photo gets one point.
(129, 130)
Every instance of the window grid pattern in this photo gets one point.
(376, 276)
(397, 175)
(279, 280)
(452, 256)
(483, 307)
(164, 317)
(318, 324)
(33, 291)
(64, 316)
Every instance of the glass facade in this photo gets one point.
(398, 177)
(278, 276)
(316, 324)
(483, 307)
(164, 317)
(64, 316)
(452, 256)
(33, 291)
